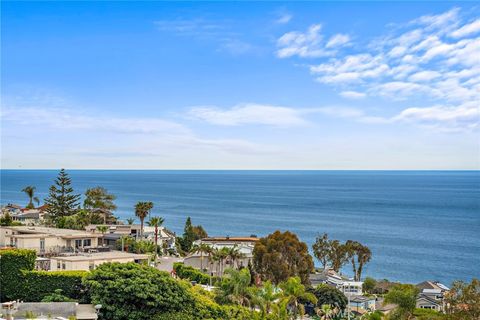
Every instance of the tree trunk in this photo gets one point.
(141, 229)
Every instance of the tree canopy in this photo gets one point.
(61, 201)
(280, 256)
(132, 291)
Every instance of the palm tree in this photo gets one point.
(325, 312)
(156, 222)
(142, 210)
(292, 292)
(223, 253)
(30, 191)
(235, 255)
(235, 286)
(265, 297)
(130, 221)
(204, 248)
(103, 230)
(215, 259)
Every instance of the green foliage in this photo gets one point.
(6, 221)
(191, 233)
(79, 220)
(464, 300)
(280, 256)
(369, 285)
(30, 192)
(61, 202)
(427, 314)
(134, 246)
(190, 273)
(142, 210)
(132, 291)
(330, 296)
(18, 280)
(234, 287)
(56, 296)
(12, 263)
(99, 198)
(295, 294)
(376, 315)
(36, 285)
(321, 248)
(359, 255)
(405, 297)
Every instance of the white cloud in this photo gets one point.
(302, 44)
(432, 60)
(446, 19)
(338, 40)
(426, 75)
(284, 18)
(249, 114)
(448, 118)
(353, 94)
(467, 29)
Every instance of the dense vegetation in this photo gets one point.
(280, 256)
(19, 280)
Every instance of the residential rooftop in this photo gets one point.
(108, 255)
(64, 233)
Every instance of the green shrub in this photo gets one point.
(18, 280)
(133, 291)
(12, 263)
(190, 273)
(39, 284)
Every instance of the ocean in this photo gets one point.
(420, 225)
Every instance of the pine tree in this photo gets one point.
(61, 201)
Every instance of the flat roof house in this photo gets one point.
(47, 241)
(89, 261)
(48, 310)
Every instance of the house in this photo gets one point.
(426, 302)
(90, 260)
(47, 241)
(361, 304)
(431, 295)
(29, 217)
(49, 310)
(165, 237)
(342, 283)
(244, 245)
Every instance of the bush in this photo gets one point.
(37, 285)
(133, 291)
(190, 273)
(12, 263)
(18, 280)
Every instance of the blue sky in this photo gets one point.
(313, 85)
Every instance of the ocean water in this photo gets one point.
(420, 225)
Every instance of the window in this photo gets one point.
(64, 266)
(91, 266)
(58, 265)
(87, 242)
(42, 245)
(78, 243)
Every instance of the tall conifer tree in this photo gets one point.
(62, 201)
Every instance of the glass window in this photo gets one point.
(78, 243)
(87, 243)
(64, 266)
(58, 265)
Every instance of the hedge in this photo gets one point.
(18, 280)
(190, 273)
(12, 263)
(38, 284)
